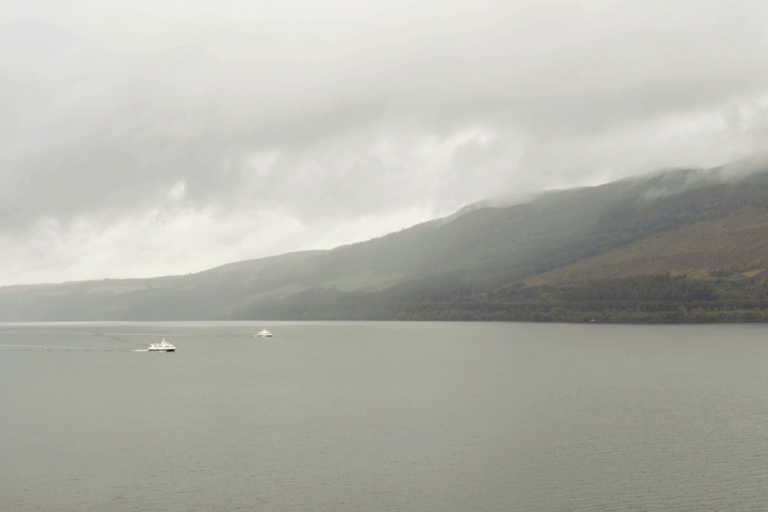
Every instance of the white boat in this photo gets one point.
(162, 346)
(263, 334)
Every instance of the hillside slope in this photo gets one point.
(678, 221)
(739, 241)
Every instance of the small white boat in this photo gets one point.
(263, 334)
(162, 346)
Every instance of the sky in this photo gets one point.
(145, 138)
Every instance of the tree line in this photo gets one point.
(637, 299)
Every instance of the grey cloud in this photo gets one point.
(570, 92)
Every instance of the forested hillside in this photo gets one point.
(615, 252)
(639, 299)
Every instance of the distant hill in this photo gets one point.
(704, 223)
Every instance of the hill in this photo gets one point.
(705, 223)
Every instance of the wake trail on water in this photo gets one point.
(110, 336)
(51, 348)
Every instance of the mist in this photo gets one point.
(143, 139)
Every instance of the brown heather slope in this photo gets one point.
(737, 241)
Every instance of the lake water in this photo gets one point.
(348, 416)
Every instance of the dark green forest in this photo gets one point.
(639, 299)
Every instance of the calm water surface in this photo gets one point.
(345, 416)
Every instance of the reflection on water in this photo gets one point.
(383, 416)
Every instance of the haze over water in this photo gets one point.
(345, 416)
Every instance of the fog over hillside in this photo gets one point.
(678, 232)
(155, 138)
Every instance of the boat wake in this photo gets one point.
(44, 348)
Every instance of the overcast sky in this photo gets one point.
(143, 138)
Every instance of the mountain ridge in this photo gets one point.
(556, 238)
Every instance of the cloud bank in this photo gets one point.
(140, 139)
